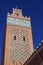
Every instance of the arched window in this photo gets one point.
(23, 38)
(14, 37)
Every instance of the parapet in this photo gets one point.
(17, 13)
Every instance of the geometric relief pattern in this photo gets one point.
(19, 49)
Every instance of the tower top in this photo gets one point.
(17, 13)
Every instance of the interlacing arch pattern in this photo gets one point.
(14, 63)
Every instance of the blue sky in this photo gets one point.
(32, 8)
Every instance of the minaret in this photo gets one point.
(18, 38)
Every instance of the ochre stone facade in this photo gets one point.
(19, 50)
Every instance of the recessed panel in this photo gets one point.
(19, 48)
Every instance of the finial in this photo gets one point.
(16, 7)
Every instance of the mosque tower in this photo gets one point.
(18, 38)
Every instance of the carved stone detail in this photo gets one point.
(17, 13)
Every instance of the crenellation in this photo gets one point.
(26, 17)
(8, 14)
(17, 13)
